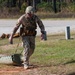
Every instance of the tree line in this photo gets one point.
(34, 3)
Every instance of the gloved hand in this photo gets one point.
(43, 35)
(11, 40)
(43, 32)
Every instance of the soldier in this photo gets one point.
(29, 22)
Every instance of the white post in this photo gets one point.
(67, 32)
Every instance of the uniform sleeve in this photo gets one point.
(40, 24)
(19, 21)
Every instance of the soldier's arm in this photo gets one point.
(43, 35)
(14, 31)
(16, 27)
(40, 24)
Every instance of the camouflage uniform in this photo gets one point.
(29, 40)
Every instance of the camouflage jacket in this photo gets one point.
(30, 23)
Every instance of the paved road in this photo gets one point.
(52, 26)
(58, 26)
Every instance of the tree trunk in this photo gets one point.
(14, 3)
(48, 1)
(19, 4)
(54, 6)
(34, 4)
(8, 3)
(59, 5)
(28, 2)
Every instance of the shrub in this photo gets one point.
(44, 6)
(23, 7)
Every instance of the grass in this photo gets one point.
(55, 51)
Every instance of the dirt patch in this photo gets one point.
(13, 70)
(10, 70)
(37, 70)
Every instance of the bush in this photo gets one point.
(44, 6)
(71, 7)
(23, 7)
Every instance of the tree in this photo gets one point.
(54, 6)
(59, 5)
(28, 2)
(34, 4)
(19, 4)
(14, 3)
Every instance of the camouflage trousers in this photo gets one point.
(29, 46)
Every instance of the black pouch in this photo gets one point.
(35, 33)
(21, 31)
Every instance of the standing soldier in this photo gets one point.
(29, 23)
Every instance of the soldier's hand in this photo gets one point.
(10, 40)
(43, 32)
(43, 35)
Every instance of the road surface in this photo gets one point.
(51, 26)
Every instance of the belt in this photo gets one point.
(29, 33)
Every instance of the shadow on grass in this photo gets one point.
(71, 73)
(38, 66)
(69, 62)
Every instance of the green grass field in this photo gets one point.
(56, 55)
